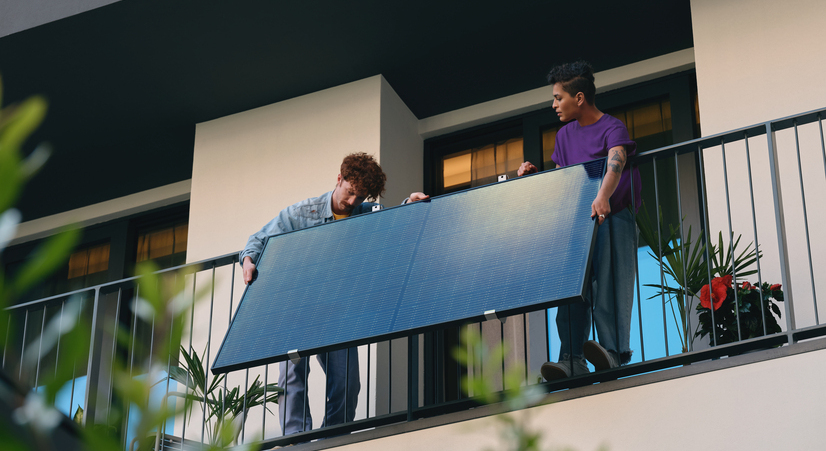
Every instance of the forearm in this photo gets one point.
(616, 164)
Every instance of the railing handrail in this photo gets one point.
(733, 135)
(221, 260)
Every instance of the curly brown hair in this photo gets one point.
(364, 174)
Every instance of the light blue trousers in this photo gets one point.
(341, 377)
(611, 292)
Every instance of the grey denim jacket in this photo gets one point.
(307, 213)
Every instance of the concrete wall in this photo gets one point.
(733, 408)
(756, 61)
(249, 166)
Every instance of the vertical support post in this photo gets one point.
(780, 224)
(412, 375)
(806, 222)
(731, 244)
(754, 227)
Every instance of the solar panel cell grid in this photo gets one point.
(512, 246)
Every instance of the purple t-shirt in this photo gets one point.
(576, 144)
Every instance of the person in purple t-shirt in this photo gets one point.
(588, 135)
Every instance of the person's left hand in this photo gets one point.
(415, 197)
(600, 208)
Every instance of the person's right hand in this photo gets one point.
(526, 168)
(249, 270)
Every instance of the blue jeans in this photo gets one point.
(611, 294)
(341, 377)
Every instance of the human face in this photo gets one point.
(345, 197)
(565, 105)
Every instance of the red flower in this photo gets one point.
(719, 287)
(746, 286)
(775, 287)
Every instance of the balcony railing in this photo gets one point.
(753, 182)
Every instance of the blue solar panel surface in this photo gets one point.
(512, 246)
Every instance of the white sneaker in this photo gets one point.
(552, 371)
(601, 358)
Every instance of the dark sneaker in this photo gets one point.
(552, 371)
(601, 358)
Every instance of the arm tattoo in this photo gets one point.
(619, 157)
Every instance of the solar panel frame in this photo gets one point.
(346, 236)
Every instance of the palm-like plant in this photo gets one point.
(685, 262)
(223, 405)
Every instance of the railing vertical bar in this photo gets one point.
(264, 404)
(389, 378)
(112, 361)
(6, 341)
(806, 222)
(524, 345)
(74, 367)
(346, 385)
(244, 413)
(502, 343)
(229, 323)
(780, 223)
(689, 342)
(132, 359)
(206, 362)
(707, 254)
(368, 380)
(548, 356)
(23, 346)
(284, 399)
(730, 245)
(60, 328)
(822, 147)
(306, 395)
(165, 402)
(191, 323)
(40, 348)
(660, 254)
(754, 228)
(636, 264)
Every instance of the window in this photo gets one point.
(481, 165)
(165, 245)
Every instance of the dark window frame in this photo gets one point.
(679, 88)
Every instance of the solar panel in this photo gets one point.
(510, 247)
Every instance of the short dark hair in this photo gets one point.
(575, 77)
(364, 174)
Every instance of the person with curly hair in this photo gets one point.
(360, 179)
(590, 134)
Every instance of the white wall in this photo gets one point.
(758, 60)
(249, 166)
(730, 409)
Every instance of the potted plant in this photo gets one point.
(685, 262)
(750, 303)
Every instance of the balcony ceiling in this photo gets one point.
(126, 82)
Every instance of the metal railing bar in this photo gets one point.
(707, 251)
(660, 253)
(206, 362)
(219, 261)
(733, 135)
(40, 347)
(524, 346)
(730, 246)
(264, 404)
(6, 341)
(74, 366)
(686, 303)
(90, 361)
(244, 413)
(754, 227)
(60, 327)
(636, 263)
(229, 323)
(23, 346)
(128, 409)
(806, 222)
(191, 322)
(368, 382)
(389, 378)
(780, 223)
(112, 361)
